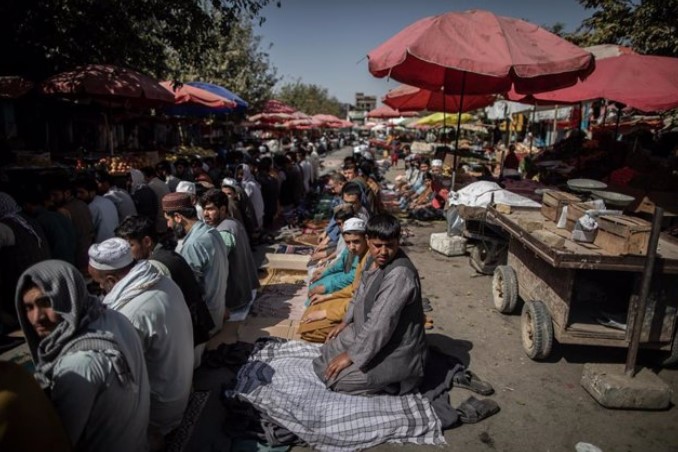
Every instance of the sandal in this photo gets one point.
(468, 380)
(428, 324)
(474, 410)
(426, 305)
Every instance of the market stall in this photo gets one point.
(584, 293)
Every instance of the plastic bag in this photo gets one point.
(455, 223)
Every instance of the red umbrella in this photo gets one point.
(646, 83)
(386, 112)
(108, 83)
(192, 95)
(478, 52)
(410, 98)
(276, 106)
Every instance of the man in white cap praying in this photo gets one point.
(189, 187)
(156, 307)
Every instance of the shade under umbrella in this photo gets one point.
(411, 98)
(485, 53)
(108, 83)
(12, 86)
(187, 94)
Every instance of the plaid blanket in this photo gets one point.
(279, 381)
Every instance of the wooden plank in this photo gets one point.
(661, 309)
(580, 256)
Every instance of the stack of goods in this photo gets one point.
(121, 164)
(191, 151)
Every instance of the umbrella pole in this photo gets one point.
(616, 127)
(534, 112)
(456, 135)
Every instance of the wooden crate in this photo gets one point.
(623, 234)
(553, 202)
(574, 212)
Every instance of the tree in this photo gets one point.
(648, 26)
(45, 37)
(309, 98)
(235, 61)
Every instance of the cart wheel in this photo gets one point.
(672, 359)
(537, 330)
(505, 289)
(483, 258)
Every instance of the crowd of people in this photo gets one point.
(118, 289)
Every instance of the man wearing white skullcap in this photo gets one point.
(155, 305)
(189, 187)
(331, 291)
(437, 167)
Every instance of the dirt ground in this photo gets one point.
(543, 406)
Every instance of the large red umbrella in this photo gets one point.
(411, 98)
(386, 112)
(478, 52)
(277, 106)
(187, 94)
(108, 83)
(646, 83)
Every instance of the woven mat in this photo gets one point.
(282, 295)
(178, 439)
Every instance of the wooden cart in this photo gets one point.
(565, 287)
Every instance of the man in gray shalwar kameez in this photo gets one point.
(380, 346)
(243, 281)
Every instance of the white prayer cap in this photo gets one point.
(186, 187)
(354, 225)
(111, 254)
(228, 182)
(437, 162)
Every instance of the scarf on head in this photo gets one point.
(65, 287)
(10, 209)
(142, 277)
(138, 179)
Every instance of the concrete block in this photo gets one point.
(609, 386)
(503, 208)
(449, 246)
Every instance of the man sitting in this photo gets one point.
(380, 344)
(243, 283)
(143, 240)
(157, 309)
(342, 270)
(88, 358)
(329, 307)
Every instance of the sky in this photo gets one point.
(324, 42)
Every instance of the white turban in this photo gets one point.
(186, 187)
(111, 254)
(437, 162)
(354, 225)
(228, 182)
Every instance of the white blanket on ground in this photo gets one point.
(279, 380)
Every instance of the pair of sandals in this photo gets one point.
(474, 410)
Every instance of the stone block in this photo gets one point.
(612, 388)
(548, 237)
(529, 225)
(449, 246)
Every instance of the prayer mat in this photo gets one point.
(282, 295)
(293, 249)
(305, 239)
(279, 381)
(178, 439)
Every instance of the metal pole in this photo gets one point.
(640, 302)
(616, 128)
(456, 135)
(555, 125)
(444, 118)
(534, 112)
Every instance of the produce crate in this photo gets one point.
(553, 203)
(574, 212)
(623, 234)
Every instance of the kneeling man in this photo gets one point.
(380, 346)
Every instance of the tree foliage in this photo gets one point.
(309, 98)
(648, 26)
(235, 61)
(44, 37)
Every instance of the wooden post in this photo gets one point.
(640, 302)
